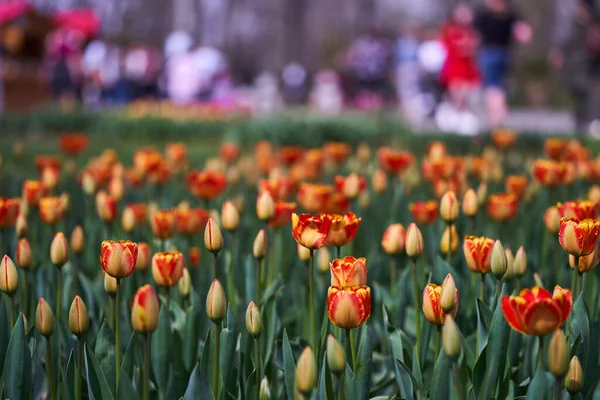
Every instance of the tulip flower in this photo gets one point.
(554, 147)
(9, 281)
(379, 181)
(574, 378)
(254, 324)
(282, 215)
(351, 186)
(265, 206)
(516, 185)
(558, 354)
(337, 152)
(449, 207)
(482, 191)
(394, 240)
(306, 372)
(336, 357)
(502, 207)
(143, 259)
(584, 263)
(394, 161)
(106, 206)
(449, 240)
(192, 221)
(9, 211)
(118, 258)
(23, 255)
(470, 203)
(578, 209)
(478, 253)
(21, 226)
(424, 212)
(448, 295)
(503, 138)
(499, 262)
(552, 219)
(49, 178)
(451, 338)
(163, 224)
(73, 144)
(314, 197)
(44, 318)
(348, 272)
(206, 185)
(579, 238)
(230, 217)
(432, 308)
(77, 240)
(184, 286)
(59, 250)
(216, 302)
(311, 231)
(144, 310)
(303, 253)
(536, 312)
(280, 188)
(32, 192)
(337, 204)
(549, 173)
(414, 241)
(110, 285)
(167, 268)
(79, 320)
(594, 193)
(259, 248)
(343, 229)
(349, 307)
(323, 260)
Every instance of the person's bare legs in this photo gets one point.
(495, 103)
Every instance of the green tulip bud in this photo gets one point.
(336, 358)
(451, 337)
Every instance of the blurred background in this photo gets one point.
(457, 66)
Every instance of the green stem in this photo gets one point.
(258, 279)
(498, 288)
(257, 360)
(574, 284)
(393, 278)
(482, 289)
(540, 350)
(168, 299)
(438, 342)
(579, 280)
(352, 349)
(111, 312)
(417, 308)
(117, 330)
(449, 253)
(340, 394)
(25, 308)
(217, 360)
(50, 369)
(12, 311)
(146, 371)
(339, 251)
(231, 275)
(216, 264)
(79, 376)
(59, 294)
(558, 384)
(458, 381)
(311, 298)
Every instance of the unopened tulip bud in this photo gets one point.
(585, 263)
(558, 354)
(128, 220)
(9, 278)
(265, 206)
(449, 207)
(230, 216)
(265, 390)
(511, 273)
(323, 259)
(143, 257)
(185, 284)
(23, 255)
(213, 239)
(448, 298)
(574, 378)
(594, 194)
(144, 310)
(364, 200)
(59, 250)
(449, 241)
(379, 181)
(351, 187)
(79, 320)
(254, 323)
(306, 372)
(21, 226)
(44, 318)
(394, 240)
(482, 193)
(303, 253)
(216, 302)
(259, 248)
(451, 338)
(470, 203)
(88, 184)
(552, 219)
(110, 285)
(77, 240)
(336, 358)
(116, 188)
(414, 241)
(499, 261)
(520, 263)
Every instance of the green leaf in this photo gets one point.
(17, 371)
(325, 382)
(269, 313)
(579, 327)
(416, 372)
(496, 353)
(322, 340)
(4, 334)
(125, 389)
(104, 351)
(349, 386)
(205, 359)
(440, 381)
(162, 346)
(403, 379)
(251, 385)
(228, 361)
(128, 357)
(190, 338)
(96, 381)
(198, 387)
(484, 319)
(289, 366)
(362, 376)
(541, 385)
(68, 381)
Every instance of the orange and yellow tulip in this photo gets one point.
(194, 256)
(351, 186)
(283, 214)
(552, 219)
(163, 224)
(424, 212)
(229, 151)
(555, 147)
(47, 161)
(394, 239)
(106, 206)
(32, 192)
(206, 185)
(350, 307)
(144, 310)
(9, 211)
(432, 308)
(579, 238)
(73, 144)
(394, 161)
(311, 231)
(585, 263)
(191, 221)
(280, 188)
(578, 209)
(337, 152)
(343, 229)
(314, 197)
(549, 172)
(503, 206)
(504, 138)
(118, 258)
(51, 210)
(536, 312)
(348, 271)
(516, 184)
(167, 268)
(478, 253)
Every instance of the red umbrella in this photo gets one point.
(83, 20)
(10, 11)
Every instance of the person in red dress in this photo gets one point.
(460, 75)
